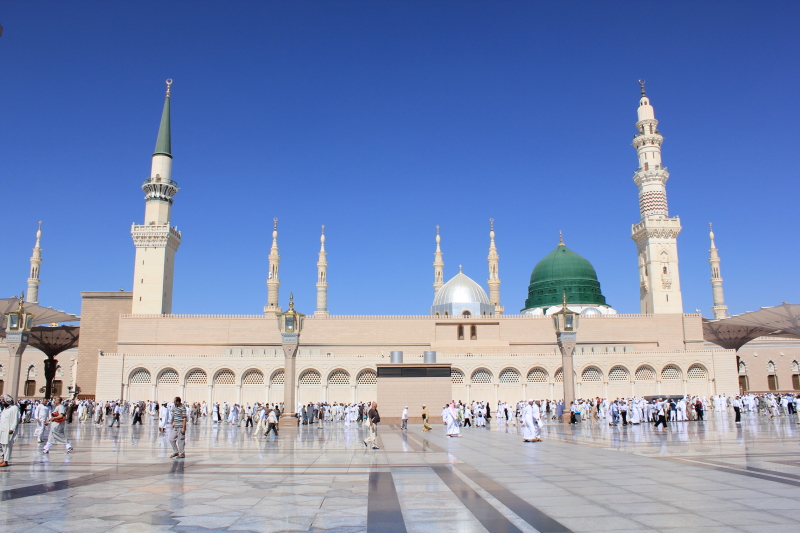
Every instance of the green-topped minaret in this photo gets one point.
(563, 272)
(156, 242)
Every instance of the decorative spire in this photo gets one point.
(560, 238)
(438, 264)
(36, 261)
(322, 278)
(164, 141)
(273, 281)
(494, 276)
(641, 84)
(719, 309)
(459, 269)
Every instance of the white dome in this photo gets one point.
(461, 290)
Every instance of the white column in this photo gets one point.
(239, 394)
(266, 394)
(353, 394)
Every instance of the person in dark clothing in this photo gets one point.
(374, 419)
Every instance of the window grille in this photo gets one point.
(618, 373)
(592, 374)
(645, 373)
(697, 372)
(339, 377)
(509, 375)
(367, 377)
(537, 375)
(253, 377)
(31, 373)
(197, 377)
(481, 376)
(225, 377)
(2, 371)
(456, 376)
(671, 372)
(168, 377)
(559, 377)
(742, 367)
(795, 366)
(310, 377)
(771, 367)
(140, 376)
(59, 372)
(278, 377)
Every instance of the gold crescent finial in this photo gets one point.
(565, 299)
(560, 238)
(169, 82)
(437, 229)
(641, 84)
(491, 224)
(323, 229)
(459, 269)
(275, 223)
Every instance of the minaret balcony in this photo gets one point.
(158, 188)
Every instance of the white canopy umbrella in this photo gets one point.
(41, 315)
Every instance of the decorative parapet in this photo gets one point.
(656, 228)
(155, 236)
(473, 318)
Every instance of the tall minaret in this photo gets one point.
(36, 261)
(156, 242)
(438, 265)
(720, 309)
(656, 236)
(273, 281)
(322, 278)
(494, 279)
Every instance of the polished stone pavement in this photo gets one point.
(695, 476)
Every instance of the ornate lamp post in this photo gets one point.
(290, 325)
(18, 328)
(566, 325)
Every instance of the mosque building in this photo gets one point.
(133, 347)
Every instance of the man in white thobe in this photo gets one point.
(451, 419)
(404, 418)
(41, 414)
(9, 419)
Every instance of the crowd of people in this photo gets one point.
(51, 417)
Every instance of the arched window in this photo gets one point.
(225, 377)
(671, 372)
(140, 376)
(509, 375)
(310, 377)
(367, 377)
(456, 376)
(466, 313)
(618, 373)
(742, 367)
(460, 332)
(473, 333)
(277, 377)
(253, 377)
(537, 375)
(481, 376)
(559, 377)
(645, 373)
(168, 377)
(697, 372)
(770, 367)
(592, 374)
(197, 377)
(339, 377)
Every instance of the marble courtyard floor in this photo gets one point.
(705, 477)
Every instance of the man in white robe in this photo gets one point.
(451, 420)
(9, 420)
(526, 421)
(41, 414)
(404, 418)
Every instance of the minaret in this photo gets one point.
(36, 261)
(273, 281)
(156, 242)
(494, 279)
(720, 309)
(322, 278)
(656, 236)
(438, 265)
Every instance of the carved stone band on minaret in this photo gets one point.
(159, 188)
(155, 236)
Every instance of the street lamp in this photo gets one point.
(18, 328)
(566, 325)
(290, 325)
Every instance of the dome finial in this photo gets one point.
(560, 238)
(274, 223)
(491, 224)
(459, 269)
(565, 299)
(641, 84)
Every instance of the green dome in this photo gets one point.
(562, 270)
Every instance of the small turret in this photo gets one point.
(36, 261)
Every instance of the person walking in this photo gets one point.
(115, 416)
(426, 426)
(41, 414)
(737, 408)
(9, 420)
(57, 420)
(177, 437)
(137, 414)
(272, 423)
(661, 412)
(404, 418)
(374, 419)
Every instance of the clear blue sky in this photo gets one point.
(383, 119)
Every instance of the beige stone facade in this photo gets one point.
(769, 364)
(31, 377)
(396, 392)
(239, 358)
